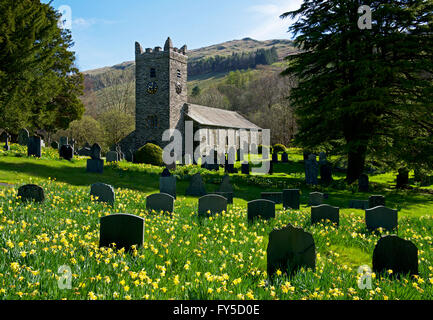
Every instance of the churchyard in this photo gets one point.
(255, 249)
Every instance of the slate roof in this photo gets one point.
(215, 117)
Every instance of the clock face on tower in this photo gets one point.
(152, 87)
(178, 88)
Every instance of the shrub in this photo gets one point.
(149, 154)
(279, 148)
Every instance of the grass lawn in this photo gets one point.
(183, 257)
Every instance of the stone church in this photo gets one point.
(162, 100)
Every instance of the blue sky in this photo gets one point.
(104, 31)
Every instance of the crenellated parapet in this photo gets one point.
(168, 48)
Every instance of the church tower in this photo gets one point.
(161, 92)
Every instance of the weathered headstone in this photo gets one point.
(23, 137)
(322, 158)
(284, 157)
(225, 185)
(291, 198)
(63, 141)
(290, 249)
(363, 183)
(84, 152)
(402, 178)
(311, 170)
(34, 147)
(227, 195)
(103, 192)
(124, 230)
(326, 173)
(325, 212)
(31, 192)
(396, 254)
(167, 183)
(95, 152)
(211, 204)
(112, 156)
(196, 186)
(245, 168)
(66, 152)
(375, 201)
(264, 209)
(95, 166)
(358, 204)
(160, 202)
(381, 217)
(316, 199)
(276, 197)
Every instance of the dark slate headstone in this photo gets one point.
(66, 152)
(290, 249)
(124, 230)
(95, 166)
(23, 137)
(276, 197)
(225, 185)
(211, 204)
(227, 195)
(363, 183)
(275, 157)
(396, 254)
(95, 152)
(31, 192)
(63, 141)
(325, 212)
(196, 186)
(326, 173)
(311, 170)
(381, 217)
(358, 204)
(375, 201)
(402, 178)
(245, 168)
(34, 147)
(55, 145)
(112, 156)
(291, 198)
(285, 157)
(264, 209)
(166, 173)
(160, 202)
(322, 158)
(104, 192)
(167, 184)
(85, 152)
(316, 199)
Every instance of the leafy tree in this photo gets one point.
(364, 91)
(196, 91)
(84, 130)
(39, 83)
(117, 125)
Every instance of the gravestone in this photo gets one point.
(95, 152)
(225, 185)
(160, 202)
(264, 209)
(363, 183)
(124, 230)
(396, 254)
(381, 217)
(31, 192)
(285, 157)
(311, 170)
(325, 212)
(66, 152)
(6, 146)
(358, 204)
(112, 156)
(322, 158)
(291, 198)
(95, 166)
(276, 197)
(211, 203)
(227, 195)
(63, 141)
(55, 145)
(402, 178)
(275, 157)
(316, 199)
(196, 186)
(34, 147)
(245, 168)
(104, 192)
(326, 173)
(290, 249)
(167, 183)
(23, 137)
(85, 152)
(375, 201)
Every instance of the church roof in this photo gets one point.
(218, 117)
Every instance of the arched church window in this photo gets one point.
(152, 122)
(152, 72)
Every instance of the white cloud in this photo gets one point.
(269, 24)
(83, 23)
